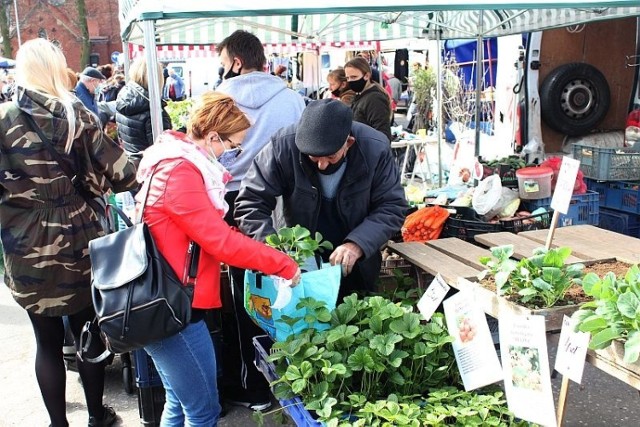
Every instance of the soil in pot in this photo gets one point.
(575, 294)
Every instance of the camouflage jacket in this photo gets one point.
(45, 226)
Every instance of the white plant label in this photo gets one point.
(473, 346)
(572, 350)
(432, 297)
(564, 185)
(527, 380)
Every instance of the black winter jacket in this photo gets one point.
(133, 117)
(370, 200)
(372, 107)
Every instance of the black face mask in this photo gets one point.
(231, 74)
(333, 168)
(357, 85)
(336, 93)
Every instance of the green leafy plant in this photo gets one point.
(614, 313)
(379, 364)
(540, 280)
(179, 112)
(298, 243)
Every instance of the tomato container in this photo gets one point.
(534, 182)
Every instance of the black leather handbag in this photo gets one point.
(137, 296)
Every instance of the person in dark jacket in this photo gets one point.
(371, 105)
(90, 79)
(335, 176)
(133, 112)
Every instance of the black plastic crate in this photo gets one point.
(150, 405)
(528, 223)
(464, 223)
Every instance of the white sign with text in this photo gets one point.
(527, 379)
(473, 347)
(432, 297)
(564, 185)
(572, 350)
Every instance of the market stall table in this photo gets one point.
(454, 258)
(418, 145)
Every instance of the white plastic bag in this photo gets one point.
(487, 194)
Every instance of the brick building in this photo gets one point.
(57, 20)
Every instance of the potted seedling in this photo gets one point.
(541, 284)
(297, 242)
(613, 317)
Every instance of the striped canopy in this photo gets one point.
(195, 22)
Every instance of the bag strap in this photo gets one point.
(86, 335)
(73, 177)
(193, 250)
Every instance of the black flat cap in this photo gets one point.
(324, 127)
(94, 73)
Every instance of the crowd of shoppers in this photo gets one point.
(254, 158)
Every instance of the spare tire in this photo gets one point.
(574, 98)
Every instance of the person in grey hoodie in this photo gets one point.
(270, 105)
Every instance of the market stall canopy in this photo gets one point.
(199, 22)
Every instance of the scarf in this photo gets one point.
(176, 145)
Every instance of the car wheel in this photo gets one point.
(574, 98)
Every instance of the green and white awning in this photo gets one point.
(195, 22)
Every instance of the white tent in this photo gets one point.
(204, 22)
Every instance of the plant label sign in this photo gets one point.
(525, 362)
(572, 350)
(432, 297)
(473, 346)
(564, 185)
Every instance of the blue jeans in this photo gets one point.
(186, 363)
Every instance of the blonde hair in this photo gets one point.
(138, 73)
(42, 67)
(216, 112)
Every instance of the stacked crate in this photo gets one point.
(611, 172)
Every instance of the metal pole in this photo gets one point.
(440, 127)
(479, 76)
(15, 7)
(127, 59)
(151, 54)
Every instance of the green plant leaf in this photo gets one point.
(593, 322)
(298, 385)
(361, 360)
(628, 304)
(385, 344)
(632, 347)
(603, 338)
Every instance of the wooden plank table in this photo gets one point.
(589, 242)
(433, 261)
(523, 247)
(464, 252)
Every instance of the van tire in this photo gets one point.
(574, 98)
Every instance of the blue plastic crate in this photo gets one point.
(624, 196)
(292, 407)
(583, 209)
(620, 222)
(146, 373)
(601, 187)
(607, 164)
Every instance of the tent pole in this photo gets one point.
(440, 127)
(127, 59)
(479, 76)
(151, 54)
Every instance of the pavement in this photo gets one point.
(20, 401)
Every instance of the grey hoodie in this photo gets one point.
(269, 104)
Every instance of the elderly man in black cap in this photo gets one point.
(335, 176)
(90, 79)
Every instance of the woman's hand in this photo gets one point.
(296, 278)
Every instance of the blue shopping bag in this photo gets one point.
(260, 293)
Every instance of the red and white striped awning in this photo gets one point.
(175, 52)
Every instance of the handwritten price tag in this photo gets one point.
(572, 350)
(433, 296)
(564, 185)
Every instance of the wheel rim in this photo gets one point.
(578, 99)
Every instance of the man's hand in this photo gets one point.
(346, 255)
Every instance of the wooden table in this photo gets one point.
(454, 258)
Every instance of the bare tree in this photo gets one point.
(7, 50)
(84, 28)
